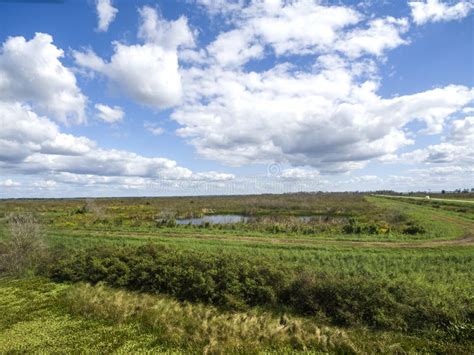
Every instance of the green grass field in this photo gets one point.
(374, 275)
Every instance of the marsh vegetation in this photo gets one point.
(347, 273)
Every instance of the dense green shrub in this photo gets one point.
(349, 301)
(412, 229)
(80, 210)
(354, 227)
(225, 281)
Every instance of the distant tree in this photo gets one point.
(443, 191)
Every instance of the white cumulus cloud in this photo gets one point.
(153, 128)
(327, 115)
(149, 72)
(167, 34)
(299, 174)
(382, 34)
(436, 10)
(31, 71)
(301, 28)
(32, 144)
(106, 14)
(456, 149)
(9, 183)
(109, 114)
(327, 118)
(24, 133)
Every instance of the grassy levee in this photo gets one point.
(440, 224)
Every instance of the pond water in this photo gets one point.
(235, 218)
(214, 219)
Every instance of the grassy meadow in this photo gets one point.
(326, 272)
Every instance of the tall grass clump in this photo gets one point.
(23, 248)
(196, 327)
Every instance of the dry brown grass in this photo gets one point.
(195, 327)
(24, 244)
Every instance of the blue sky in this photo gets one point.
(118, 98)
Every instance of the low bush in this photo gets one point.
(413, 229)
(354, 227)
(379, 304)
(224, 281)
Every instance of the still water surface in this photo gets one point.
(235, 218)
(214, 219)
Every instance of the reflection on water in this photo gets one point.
(235, 218)
(214, 219)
